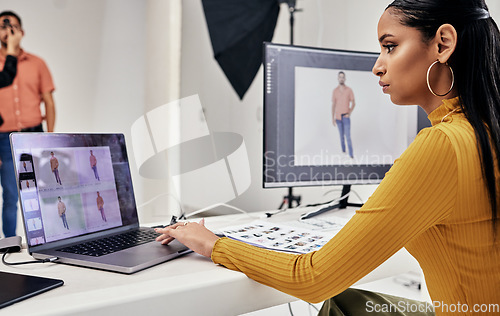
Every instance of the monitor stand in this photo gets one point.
(290, 198)
(343, 203)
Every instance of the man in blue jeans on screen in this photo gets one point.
(342, 107)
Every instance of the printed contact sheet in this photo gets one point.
(278, 236)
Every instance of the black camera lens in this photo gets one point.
(6, 23)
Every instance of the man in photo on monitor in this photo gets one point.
(61, 210)
(93, 165)
(54, 165)
(342, 107)
(100, 206)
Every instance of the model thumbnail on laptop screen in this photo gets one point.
(68, 189)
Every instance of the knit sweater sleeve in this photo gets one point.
(417, 193)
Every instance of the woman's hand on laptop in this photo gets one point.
(193, 235)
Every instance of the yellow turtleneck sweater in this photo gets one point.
(433, 201)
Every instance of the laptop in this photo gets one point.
(78, 203)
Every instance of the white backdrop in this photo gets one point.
(111, 61)
(378, 127)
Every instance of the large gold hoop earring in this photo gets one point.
(429, 84)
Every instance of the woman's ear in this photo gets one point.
(446, 40)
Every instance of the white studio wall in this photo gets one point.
(111, 61)
(86, 45)
(339, 24)
(114, 60)
(330, 24)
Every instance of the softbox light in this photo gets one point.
(237, 29)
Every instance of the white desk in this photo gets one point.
(190, 285)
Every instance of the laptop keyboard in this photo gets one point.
(107, 245)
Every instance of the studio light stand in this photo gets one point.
(291, 9)
(290, 198)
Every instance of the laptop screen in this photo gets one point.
(72, 184)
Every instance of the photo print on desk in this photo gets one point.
(277, 236)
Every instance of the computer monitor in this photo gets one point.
(305, 142)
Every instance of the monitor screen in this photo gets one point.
(326, 119)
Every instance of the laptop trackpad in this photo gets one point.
(155, 249)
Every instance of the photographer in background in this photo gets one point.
(20, 109)
(10, 67)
